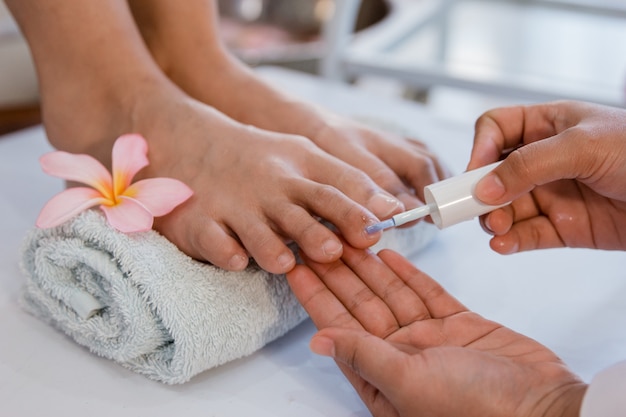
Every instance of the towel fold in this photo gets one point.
(139, 301)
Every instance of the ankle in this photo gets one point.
(81, 122)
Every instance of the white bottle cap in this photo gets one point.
(452, 200)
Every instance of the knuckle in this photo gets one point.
(259, 235)
(519, 164)
(325, 192)
(391, 289)
(383, 176)
(361, 298)
(425, 169)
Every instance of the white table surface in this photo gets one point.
(570, 300)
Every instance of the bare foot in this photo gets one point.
(254, 189)
(189, 51)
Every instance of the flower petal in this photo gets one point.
(129, 156)
(128, 216)
(78, 167)
(66, 205)
(159, 195)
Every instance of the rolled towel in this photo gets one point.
(138, 300)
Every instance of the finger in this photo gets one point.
(499, 221)
(320, 303)
(526, 168)
(373, 359)
(566, 204)
(494, 131)
(535, 233)
(570, 154)
(358, 299)
(374, 400)
(562, 213)
(503, 129)
(439, 303)
(405, 305)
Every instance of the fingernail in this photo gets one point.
(323, 346)
(382, 205)
(487, 224)
(514, 248)
(286, 260)
(237, 263)
(489, 189)
(504, 247)
(332, 248)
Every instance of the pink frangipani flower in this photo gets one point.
(128, 207)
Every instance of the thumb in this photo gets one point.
(372, 358)
(532, 165)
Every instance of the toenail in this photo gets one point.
(382, 205)
(331, 248)
(285, 260)
(237, 262)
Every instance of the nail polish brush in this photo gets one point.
(448, 202)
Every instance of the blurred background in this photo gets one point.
(457, 57)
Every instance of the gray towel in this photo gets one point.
(139, 301)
